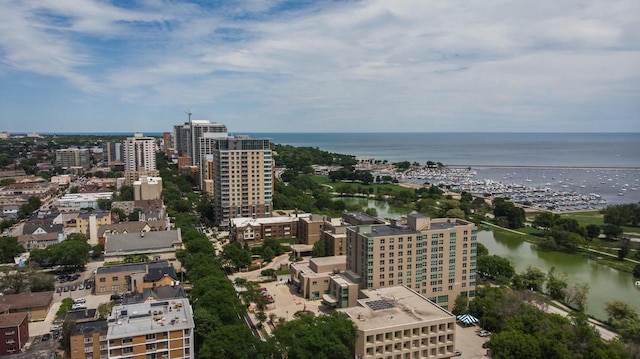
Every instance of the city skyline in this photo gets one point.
(320, 66)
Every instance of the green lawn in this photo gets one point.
(324, 180)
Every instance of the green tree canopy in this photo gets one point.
(330, 336)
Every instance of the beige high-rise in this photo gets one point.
(434, 257)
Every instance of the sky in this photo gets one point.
(320, 66)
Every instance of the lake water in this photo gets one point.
(606, 284)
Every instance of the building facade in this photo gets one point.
(73, 157)
(147, 188)
(243, 178)
(88, 340)
(14, 332)
(185, 143)
(139, 153)
(159, 329)
(397, 322)
(434, 257)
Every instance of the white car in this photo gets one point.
(78, 306)
(79, 301)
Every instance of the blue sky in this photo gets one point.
(321, 66)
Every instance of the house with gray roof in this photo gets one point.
(161, 245)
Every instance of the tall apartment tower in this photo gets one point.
(186, 143)
(139, 153)
(434, 257)
(242, 170)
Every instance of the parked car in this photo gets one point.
(66, 288)
(485, 345)
(457, 353)
(73, 287)
(46, 337)
(58, 289)
(116, 297)
(56, 334)
(484, 333)
(78, 306)
(79, 301)
(80, 287)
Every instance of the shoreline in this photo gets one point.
(546, 167)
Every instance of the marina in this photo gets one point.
(557, 189)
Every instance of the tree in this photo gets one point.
(593, 231)
(9, 248)
(533, 278)
(371, 211)
(576, 296)
(326, 336)
(104, 204)
(267, 254)
(81, 237)
(461, 304)
(611, 231)
(617, 310)
(455, 213)
(234, 253)
(41, 282)
(556, 285)
(482, 250)
(319, 249)
(545, 220)
(17, 280)
(636, 271)
(495, 267)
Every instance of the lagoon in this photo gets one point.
(606, 284)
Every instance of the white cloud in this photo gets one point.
(452, 64)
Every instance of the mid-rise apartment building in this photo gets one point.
(73, 157)
(139, 153)
(434, 257)
(159, 329)
(88, 340)
(242, 178)
(397, 322)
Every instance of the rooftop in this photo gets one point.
(95, 326)
(150, 317)
(394, 306)
(27, 300)
(12, 319)
(147, 242)
(245, 221)
(383, 231)
(132, 267)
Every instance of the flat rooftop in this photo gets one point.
(331, 260)
(96, 326)
(132, 267)
(394, 306)
(384, 231)
(150, 317)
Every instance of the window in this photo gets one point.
(127, 340)
(150, 336)
(114, 278)
(10, 332)
(103, 279)
(151, 346)
(88, 340)
(127, 350)
(115, 288)
(88, 349)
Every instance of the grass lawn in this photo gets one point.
(324, 180)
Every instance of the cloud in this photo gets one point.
(322, 65)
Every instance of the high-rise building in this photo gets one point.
(161, 329)
(242, 177)
(73, 157)
(113, 153)
(139, 153)
(434, 257)
(167, 144)
(186, 142)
